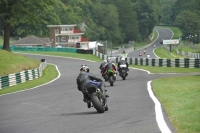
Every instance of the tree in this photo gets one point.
(106, 17)
(146, 16)
(19, 12)
(189, 22)
(128, 22)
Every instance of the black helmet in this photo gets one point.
(84, 68)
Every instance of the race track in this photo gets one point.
(58, 107)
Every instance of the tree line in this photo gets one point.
(184, 14)
(118, 21)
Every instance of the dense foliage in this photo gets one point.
(183, 14)
(118, 21)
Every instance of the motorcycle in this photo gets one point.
(111, 76)
(123, 72)
(98, 99)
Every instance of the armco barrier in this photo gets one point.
(21, 77)
(160, 62)
(189, 54)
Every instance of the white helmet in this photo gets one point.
(109, 59)
(122, 58)
(84, 68)
(105, 61)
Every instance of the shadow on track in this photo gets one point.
(79, 113)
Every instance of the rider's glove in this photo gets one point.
(100, 80)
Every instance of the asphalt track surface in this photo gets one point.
(58, 107)
(163, 34)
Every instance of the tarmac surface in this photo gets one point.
(58, 107)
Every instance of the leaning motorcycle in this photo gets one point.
(111, 76)
(123, 72)
(98, 99)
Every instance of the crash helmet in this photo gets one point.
(85, 68)
(122, 58)
(109, 60)
(105, 61)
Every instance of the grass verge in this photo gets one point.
(180, 98)
(167, 69)
(177, 32)
(48, 74)
(13, 63)
(65, 54)
(164, 53)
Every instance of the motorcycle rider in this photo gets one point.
(109, 66)
(148, 55)
(122, 62)
(145, 51)
(84, 77)
(140, 54)
(101, 67)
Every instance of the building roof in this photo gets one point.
(70, 34)
(71, 25)
(32, 40)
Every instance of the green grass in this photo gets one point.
(146, 42)
(167, 69)
(1, 40)
(48, 74)
(186, 48)
(180, 98)
(155, 35)
(13, 63)
(164, 53)
(177, 32)
(65, 54)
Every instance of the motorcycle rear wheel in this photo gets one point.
(111, 80)
(123, 76)
(96, 103)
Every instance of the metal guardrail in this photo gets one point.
(188, 54)
(21, 77)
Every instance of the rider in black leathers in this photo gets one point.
(101, 67)
(122, 62)
(84, 77)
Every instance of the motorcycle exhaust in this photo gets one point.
(97, 90)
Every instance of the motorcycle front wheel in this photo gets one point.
(96, 103)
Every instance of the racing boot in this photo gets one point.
(102, 87)
(87, 100)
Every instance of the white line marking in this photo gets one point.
(158, 111)
(141, 70)
(159, 115)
